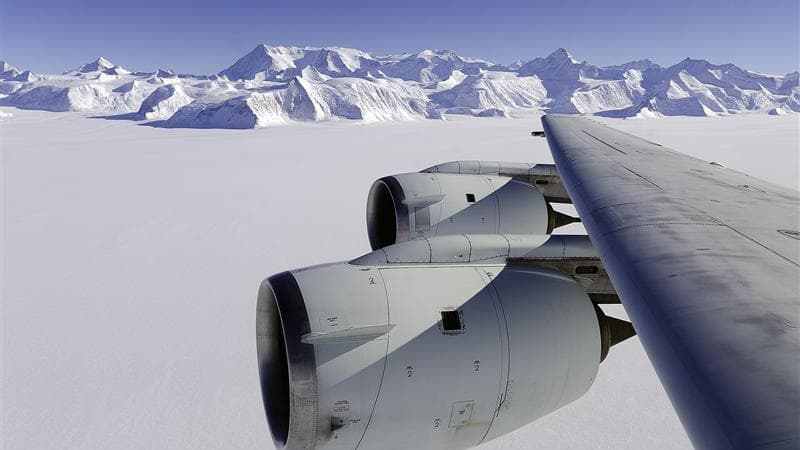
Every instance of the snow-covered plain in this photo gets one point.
(131, 256)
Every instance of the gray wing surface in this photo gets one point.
(705, 261)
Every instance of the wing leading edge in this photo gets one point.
(705, 261)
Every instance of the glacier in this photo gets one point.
(275, 85)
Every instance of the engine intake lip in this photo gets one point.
(387, 215)
(286, 366)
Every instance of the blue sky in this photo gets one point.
(204, 36)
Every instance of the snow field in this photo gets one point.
(131, 257)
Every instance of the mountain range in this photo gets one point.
(275, 85)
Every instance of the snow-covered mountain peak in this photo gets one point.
(117, 70)
(697, 66)
(431, 66)
(561, 55)
(262, 59)
(98, 65)
(337, 61)
(26, 77)
(6, 67)
(639, 64)
(430, 54)
(694, 64)
(445, 55)
(312, 74)
(7, 71)
(558, 65)
(516, 65)
(282, 63)
(165, 73)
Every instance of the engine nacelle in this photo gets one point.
(396, 355)
(415, 205)
(544, 176)
(493, 168)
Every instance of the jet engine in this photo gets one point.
(415, 205)
(418, 345)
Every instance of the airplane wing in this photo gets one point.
(705, 261)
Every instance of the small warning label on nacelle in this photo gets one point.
(461, 413)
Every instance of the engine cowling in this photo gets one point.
(391, 355)
(414, 205)
(544, 176)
